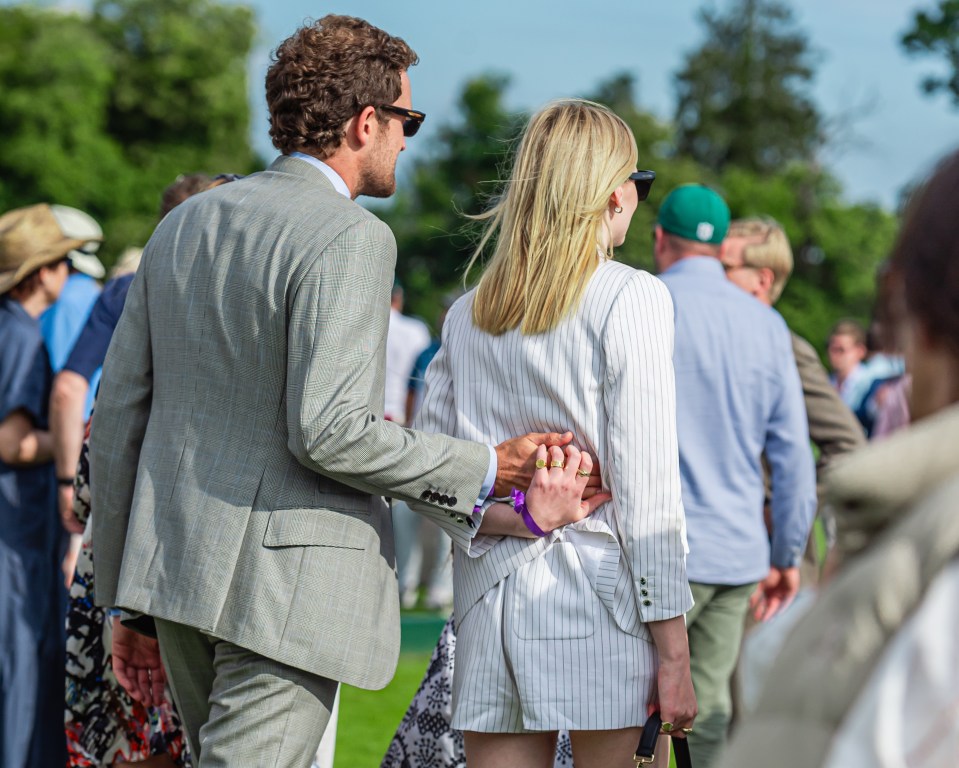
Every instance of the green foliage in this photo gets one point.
(53, 111)
(936, 33)
(742, 97)
(103, 111)
(838, 247)
(435, 239)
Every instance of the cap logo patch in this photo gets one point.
(704, 231)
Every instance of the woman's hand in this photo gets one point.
(673, 695)
(555, 496)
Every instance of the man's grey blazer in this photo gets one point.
(239, 451)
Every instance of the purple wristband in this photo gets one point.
(519, 504)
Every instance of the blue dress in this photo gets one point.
(32, 544)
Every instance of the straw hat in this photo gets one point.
(31, 238)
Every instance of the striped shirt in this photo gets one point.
(606, 374)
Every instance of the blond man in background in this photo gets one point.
(758, 259)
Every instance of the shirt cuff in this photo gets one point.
(487, 488)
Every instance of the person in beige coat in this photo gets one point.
(870, 676)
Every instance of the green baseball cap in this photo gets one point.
(695, 212)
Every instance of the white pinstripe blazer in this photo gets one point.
(606, 374)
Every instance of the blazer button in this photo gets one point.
(452, 501)
(644, 592)
(444, 499)
(434, 497)
(425, 495)
(647, 602)
(642, 581)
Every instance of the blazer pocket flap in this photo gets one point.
(320, 527)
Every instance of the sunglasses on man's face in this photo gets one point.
(643, 180)
(413, 118)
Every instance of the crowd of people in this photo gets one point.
(620, 463)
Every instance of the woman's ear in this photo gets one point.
(616, 199)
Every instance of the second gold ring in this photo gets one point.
(559, 464)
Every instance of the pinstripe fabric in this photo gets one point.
(538, 652)
(606, 374)
(239, 451)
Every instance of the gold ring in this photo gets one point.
(687, 731)
(540, 463)
(667, 727)
(559, 464)
(582, 473)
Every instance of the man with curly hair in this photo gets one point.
(239, 454)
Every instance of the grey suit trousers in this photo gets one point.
(240, 708)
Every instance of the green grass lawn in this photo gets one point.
(369, 718)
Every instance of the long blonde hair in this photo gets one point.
(547, 223)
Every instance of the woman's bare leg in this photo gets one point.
(503, 750)
(612, 749)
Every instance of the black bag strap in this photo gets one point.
(647, 744)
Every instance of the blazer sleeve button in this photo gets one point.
(452, 501)
(434, 497)
(444, 499)
(425, 495)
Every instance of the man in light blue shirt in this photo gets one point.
(738, 397)
(61, 324)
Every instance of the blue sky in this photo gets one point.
(887, 133)
(553, 48)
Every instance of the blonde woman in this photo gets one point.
(582, 628)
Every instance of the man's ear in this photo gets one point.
(361, 128)
(766, 278)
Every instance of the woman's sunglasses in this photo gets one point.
(414, 118)
(643, 180)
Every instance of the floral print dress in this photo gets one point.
(103, 724)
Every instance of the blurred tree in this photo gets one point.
(655, 140)
(56, 77)
(742, 96)
(838, 247)
(936, 33)
(102, 111)
(428, 215)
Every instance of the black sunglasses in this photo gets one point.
(644, 180)
(414, 118)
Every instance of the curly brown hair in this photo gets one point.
(324, 74)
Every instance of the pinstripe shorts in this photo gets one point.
(541, 652)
